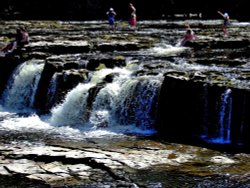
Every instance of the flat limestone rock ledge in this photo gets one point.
(98, 165)
(59, 47)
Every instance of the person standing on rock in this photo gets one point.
(226, 21)
(111, 18)
(132, 21)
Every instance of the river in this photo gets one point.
(100, 131)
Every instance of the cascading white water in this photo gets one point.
(225, 118)
(129, 102)
(22, 86)
(125, 101)
(136, 100)
(167, 50)
(73, 111)
(103, 104)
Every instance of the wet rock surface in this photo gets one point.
(121, 162)
(91, 45)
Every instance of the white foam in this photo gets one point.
(30, 123)
(167, 50)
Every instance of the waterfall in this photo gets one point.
(136, 102)
(225, 117)
(103, 105)
(73, 111)
(22, 86)
(224, 130)
(125, 101)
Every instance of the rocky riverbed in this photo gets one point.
(123, 162)
(35, 156)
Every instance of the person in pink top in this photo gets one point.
(21, 39)
(188, 37)
(132, 20)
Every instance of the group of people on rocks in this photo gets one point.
(132, 20)
(189, 37)
(22, 36)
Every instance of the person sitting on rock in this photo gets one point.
(226, 22)
(189, 37)
(24, 39)
(21, 39)
(111, 18)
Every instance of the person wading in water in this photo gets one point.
(189, 37)
(226, 22)
(111, 18)
(132, 21)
